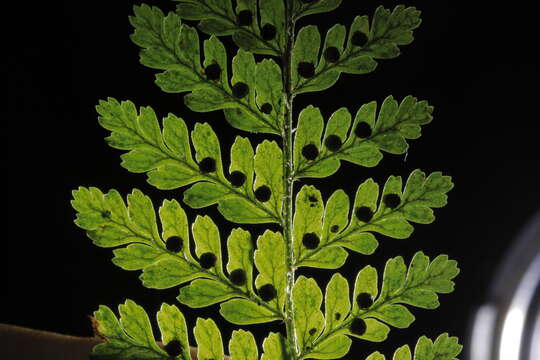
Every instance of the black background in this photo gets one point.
(474, 63)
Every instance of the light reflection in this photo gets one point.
(535, 343)
(482, 333)
(511, 335)
(512, 332)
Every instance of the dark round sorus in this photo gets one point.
(306, 69)
(333, 143)
(334, 228)
(363, 213)
(237, 178)
(331, 54)
(268, 32)
(238, 277)
(359, 39)
(207, 165)
(364, 300)
(207, 260)
(310, 240)
(212, 72)
(106, 214)
(312, 198)
(358, 327)
(310, 152)
(173, 348)
(312, 331)
(267, 292)
(363, 130)
(391, 201)
(337, 316)
(174, 244)
(266, 108)
(240, 90)
(245, 18)
(263, 193)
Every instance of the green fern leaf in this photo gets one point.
(310, 223)
(203, 292)
(274, 347)
(361, 144)
(333, 348)
(166, 157)
(218, 18)
(308, 317)
(169, 45)
(208, 337)
(270, 261)
(131, 337)
(389, 213)
(373, 311)
(306, 8)
(443, 348)
(268, 305)
(240, 251)
(337, 304)
(243, 312)
(268, 163)
(357, 54)
(172, 325)
(376, 356)
(375, 331)
(110, 223)
(243, 346)
(327, 258)
(418, 287)
(256, 94)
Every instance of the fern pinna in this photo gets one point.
(258, 187)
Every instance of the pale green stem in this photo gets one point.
(288, 168)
